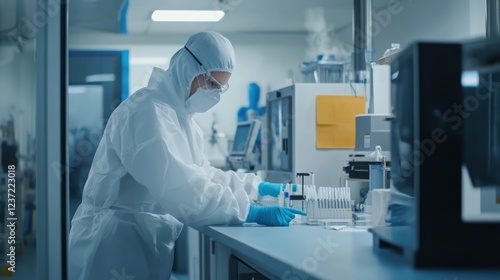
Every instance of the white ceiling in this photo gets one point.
(242, 16)
(246, 16)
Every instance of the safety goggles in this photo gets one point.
(210, 81)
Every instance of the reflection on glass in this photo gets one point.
(280, 134)
(402, 140)
(17, 145)
(481, 111)
(84, 133)
(97, 84)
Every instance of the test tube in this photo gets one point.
(325, 205)
(331, 196)
(321, 203)
(312, 204)
(345, 206)
(281, 197)
(336, 200)
(287, 194)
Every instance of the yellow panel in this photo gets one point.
(344, 136)
(325, 110)
(324, 136)
(347, 107)
(336, 120)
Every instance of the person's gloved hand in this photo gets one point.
(272, 215)
(266, 188)
(273, 189)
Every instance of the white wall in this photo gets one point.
(261, 59)
(477, 18)
(266, 59)
(17, 91)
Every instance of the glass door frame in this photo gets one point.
(51, 157)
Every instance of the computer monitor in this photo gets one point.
(480, 113)
(244, 139)
(481, 129)
(440, 127)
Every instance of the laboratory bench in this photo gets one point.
(309, 252)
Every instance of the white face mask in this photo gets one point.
(202, 100)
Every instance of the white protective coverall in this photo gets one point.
(149, 176)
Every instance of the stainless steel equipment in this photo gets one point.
(324, 71)
(372, 131)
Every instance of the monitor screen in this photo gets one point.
(425, 139)
(481, 130)
(481, 112)
(402, 131)
(241, 138)
(245, 138)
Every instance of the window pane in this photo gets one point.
(17, 143)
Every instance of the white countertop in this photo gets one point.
(312, 252)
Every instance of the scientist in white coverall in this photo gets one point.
(149, 175)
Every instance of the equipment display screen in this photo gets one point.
(241, 138)
(402, 126)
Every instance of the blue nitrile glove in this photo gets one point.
(273, 189)
(272, 215)
(266, 188)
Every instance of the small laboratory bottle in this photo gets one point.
(312, 205)
(287, 195)
(281, 198)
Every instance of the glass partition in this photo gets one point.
(98, 82)
(17, 141)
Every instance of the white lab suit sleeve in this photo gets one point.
(247, 181)
(149, 144)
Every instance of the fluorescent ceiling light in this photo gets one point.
(76, 89)
(187, 15)
(109, 77)
(149, 60)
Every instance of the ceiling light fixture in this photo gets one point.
(187, 16)
(107, 77)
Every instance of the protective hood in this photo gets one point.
(212, 49)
